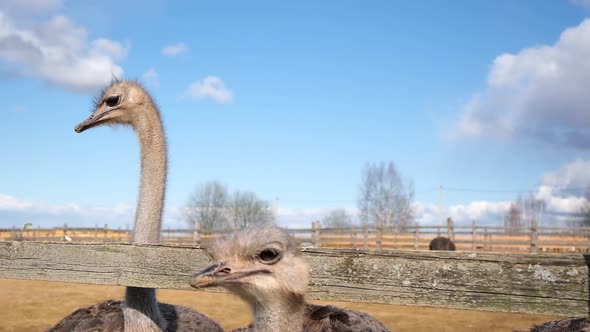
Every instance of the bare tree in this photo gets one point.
(584, 217)
(533, 210)
(337, 218)
(384, 199)
(513, 217)
(206, 206)
(524, 212)
(245, 209)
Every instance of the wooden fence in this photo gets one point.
(541, 283)
(348, 264)
(472, 238)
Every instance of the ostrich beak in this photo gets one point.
(92, 120)
(82, 126)
(209, 276)
(221, 274)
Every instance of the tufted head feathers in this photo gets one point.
(120, 102)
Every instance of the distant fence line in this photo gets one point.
(466, 238)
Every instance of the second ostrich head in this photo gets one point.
(261, 265)
(119, 103)
(128, 103)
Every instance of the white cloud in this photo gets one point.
(8, 202)
(150, 77)
(559, 203)
(300, 218)
(483, 212)
(16, 211)
(575, 175)
(539, 93)
(175, 49)
(210, 87)
(560, 189)
(426, 213)
(478, 210)
(564, 190)
(59, 52)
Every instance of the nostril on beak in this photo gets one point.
(224, 271)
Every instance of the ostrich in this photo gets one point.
(564, 325)
(441, 243)
(264, 268)
(128, 103)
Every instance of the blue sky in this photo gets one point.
(290, 100)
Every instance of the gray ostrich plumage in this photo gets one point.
(263, 266)
(564, 325)
(128, 103)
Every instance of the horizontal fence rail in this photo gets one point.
(508, 282)
(467, 238)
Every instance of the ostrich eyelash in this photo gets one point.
(98, 100)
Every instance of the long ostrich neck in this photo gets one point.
(280, 314)
(148, 216)
(153, 179)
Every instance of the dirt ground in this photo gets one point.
(35, 306)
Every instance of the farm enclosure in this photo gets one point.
(472, 238)
(377, 281)
(555, 284)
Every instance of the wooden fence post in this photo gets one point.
(106, 231)
(473, 236)
(486, 238)
(534, 237)
(197, 234)
(127, 233)
(353, 234)
(316, 234)
(96, 232)
(168, 236)
(379, 237)
(365, 237)
(450, 229)
(416, 239)
(36, 233)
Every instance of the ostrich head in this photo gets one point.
(119, 103)
(261, 265)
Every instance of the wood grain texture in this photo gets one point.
(527, 283)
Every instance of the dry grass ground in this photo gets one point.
(35, 306)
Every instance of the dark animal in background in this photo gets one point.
(441, 243)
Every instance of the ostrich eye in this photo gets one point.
(112, 101)
(269, 256)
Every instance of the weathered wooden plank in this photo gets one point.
(555, 284)
(542, 283)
